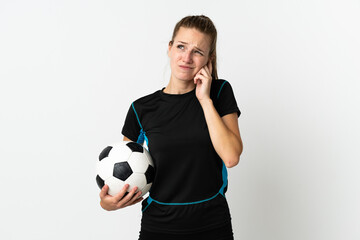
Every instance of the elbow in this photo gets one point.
(232, 162)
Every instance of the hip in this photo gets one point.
(224, 232)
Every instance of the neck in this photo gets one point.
(179, 87)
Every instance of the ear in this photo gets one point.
(169, 47)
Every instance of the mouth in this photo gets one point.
(185, 67)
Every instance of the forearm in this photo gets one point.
(227, 145)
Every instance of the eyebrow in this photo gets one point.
(195, 47)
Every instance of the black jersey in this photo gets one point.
(188, 192)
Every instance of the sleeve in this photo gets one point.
(131, 128)
(226, 102)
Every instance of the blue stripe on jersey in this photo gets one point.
(225, 180)
(188, 203)
(142, 135)
(136, 115)
(149, 202)
(222, 85)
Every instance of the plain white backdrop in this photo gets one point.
(69, 71)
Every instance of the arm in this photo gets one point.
(224, 133)
(118, 201)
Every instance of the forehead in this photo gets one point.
(193, 37)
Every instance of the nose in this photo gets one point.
(187, 57)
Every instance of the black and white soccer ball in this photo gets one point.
(125, 163)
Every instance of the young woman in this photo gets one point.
(191, 129)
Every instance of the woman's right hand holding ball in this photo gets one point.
(120, 200)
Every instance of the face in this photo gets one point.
(188, 53)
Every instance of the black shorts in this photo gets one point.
(221, 233)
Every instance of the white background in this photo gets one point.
(70, 69)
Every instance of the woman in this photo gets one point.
(192, 133)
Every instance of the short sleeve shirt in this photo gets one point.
(187, 168)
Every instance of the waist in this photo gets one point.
(185, 217)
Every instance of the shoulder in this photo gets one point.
(146, 103)
(147, 99)
(217, 87)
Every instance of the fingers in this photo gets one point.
(121, 199)
(200, 77)
(121, 194)
(208, 70)
(205, 71)
(137, 200)
(134, 199)
(104, 191)
(130, 198)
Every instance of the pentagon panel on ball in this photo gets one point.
(125, 163)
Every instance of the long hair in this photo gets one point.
(204, 25)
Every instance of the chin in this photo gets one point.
(185, 77)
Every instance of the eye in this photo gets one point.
(198, 52)
(180, 46)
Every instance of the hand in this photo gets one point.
(118, 201)
(203, 82)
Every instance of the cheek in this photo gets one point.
(173, 61)
(174, 57)
(205, 60)
(201, 63)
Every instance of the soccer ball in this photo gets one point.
(125, 163)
